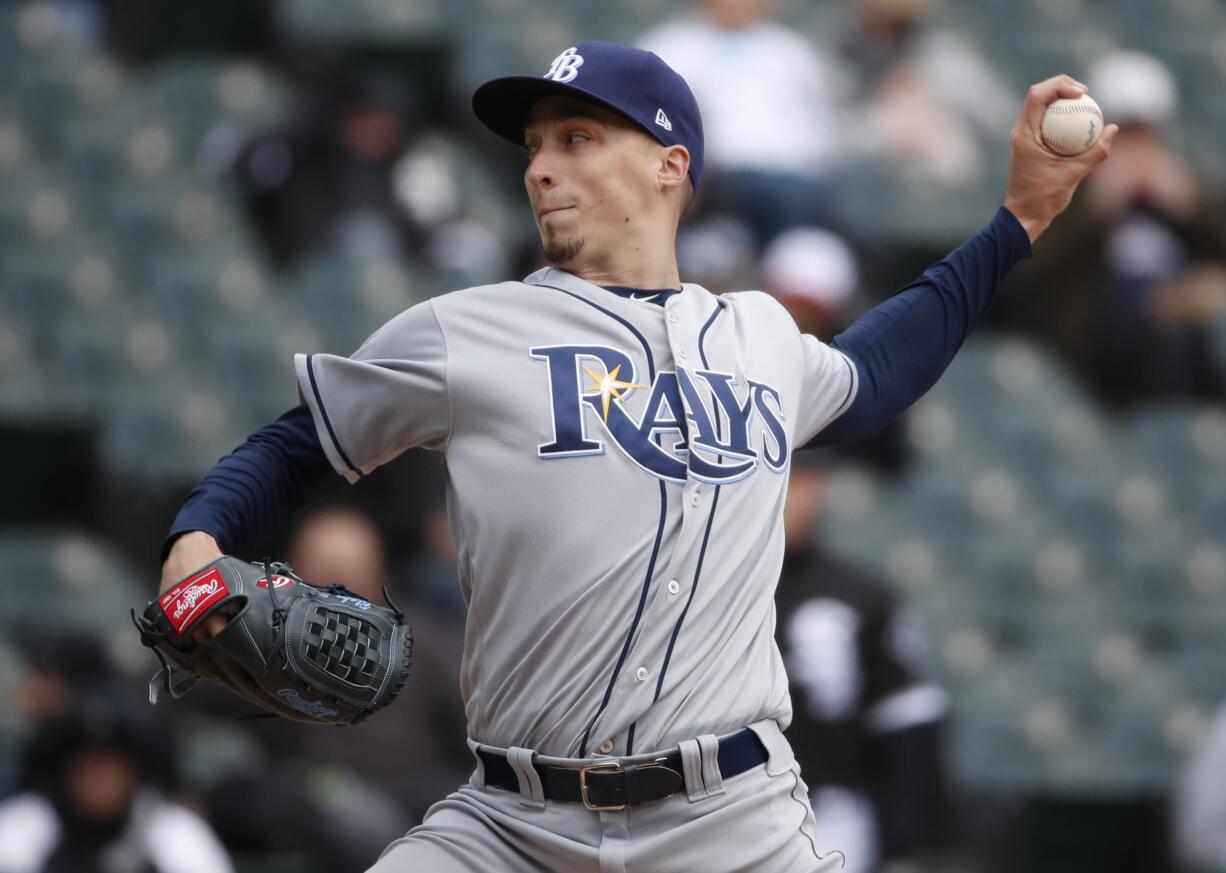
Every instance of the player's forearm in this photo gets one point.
(902, 346)
(257, 487)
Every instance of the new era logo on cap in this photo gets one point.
(635, 83)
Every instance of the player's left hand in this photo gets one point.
(1041, 182)
(305, 652)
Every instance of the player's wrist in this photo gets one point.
(189, 552)
(1033, 224)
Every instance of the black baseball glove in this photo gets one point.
(319, 655)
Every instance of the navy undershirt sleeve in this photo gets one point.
(255, 489)
(902, 346)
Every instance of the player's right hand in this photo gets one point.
(189, 553)
(1041, 182)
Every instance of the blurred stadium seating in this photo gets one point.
(1075, 588)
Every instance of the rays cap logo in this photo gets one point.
(622, 78)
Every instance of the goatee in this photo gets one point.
(562, 251)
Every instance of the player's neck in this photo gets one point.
(645, 272)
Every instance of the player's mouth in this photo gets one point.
(553, 209)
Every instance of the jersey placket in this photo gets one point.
(641, 682)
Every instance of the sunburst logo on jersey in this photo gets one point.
(608, 386)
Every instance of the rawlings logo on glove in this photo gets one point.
(194, 593)
(309, 653)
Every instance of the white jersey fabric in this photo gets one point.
(616, 476)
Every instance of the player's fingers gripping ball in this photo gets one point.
(300, 651)
(1072, 125)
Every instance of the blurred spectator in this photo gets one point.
(340, 544)
(922, 94)
(431, 574)
(866, 726)
(718, 253)
(62, 665)
(1199, 808)
(767, 110)
(91, 803)
(814, 274)
(324, 183)
(414, 753)
(1128, 289)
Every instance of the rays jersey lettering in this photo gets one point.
(695, 422)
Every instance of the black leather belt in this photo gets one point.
(612, 785)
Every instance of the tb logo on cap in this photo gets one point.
(565, 66)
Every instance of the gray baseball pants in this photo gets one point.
(759, 820)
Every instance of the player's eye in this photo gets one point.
(570, 137)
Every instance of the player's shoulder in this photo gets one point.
(758, 302)
(478, 300)
(476, 294)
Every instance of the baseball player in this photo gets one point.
(616, 443)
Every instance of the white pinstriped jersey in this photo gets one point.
(616, 476)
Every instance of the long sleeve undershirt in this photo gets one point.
(903, 345)
(899, 349)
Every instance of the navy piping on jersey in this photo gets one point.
(651, 564)
(702, 552)
(327, 421)
(702, 334)
(621, 660)
(851, 383)
(651, 364)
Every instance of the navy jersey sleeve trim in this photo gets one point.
(853, 382)
(901, 347)
(323, 413)
(251, 493)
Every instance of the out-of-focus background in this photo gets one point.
(192, 191)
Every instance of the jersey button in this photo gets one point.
(672, 316)
(695, 499)
(606, 747)
(682, 354)
(673, 586)
(641, 674)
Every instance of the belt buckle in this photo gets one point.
(604, 765)
(615, 767)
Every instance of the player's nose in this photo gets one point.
(541, 172)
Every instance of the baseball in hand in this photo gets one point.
(1072, 125)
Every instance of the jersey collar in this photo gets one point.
(693, 300)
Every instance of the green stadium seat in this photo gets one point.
(91, 365)
(82, 582)
(94, 151)
(1139, 753)
(1150, 583)
(1199, 667)
(171, 433)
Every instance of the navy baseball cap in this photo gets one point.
(630, 81)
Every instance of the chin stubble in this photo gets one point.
(559, 252)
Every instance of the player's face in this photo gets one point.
(591, 178)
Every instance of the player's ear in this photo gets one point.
(674, 167)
